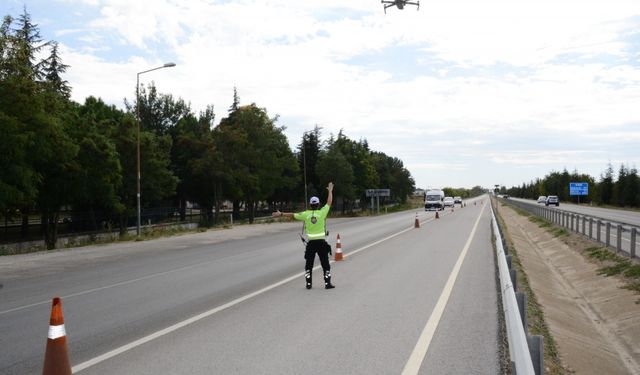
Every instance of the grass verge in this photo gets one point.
(615, 265)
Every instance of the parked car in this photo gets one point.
(448, 201)
(457, 200)
(542, 199)
(552, 199)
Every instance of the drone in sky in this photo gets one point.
(398, 3)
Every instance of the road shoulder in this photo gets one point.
(594, 322)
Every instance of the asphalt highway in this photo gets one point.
(407, 300)
(613, 217)
(619, 216)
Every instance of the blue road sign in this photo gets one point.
(578, 188)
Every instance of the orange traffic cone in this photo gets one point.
(451, 208)
(338, 256)
(437, 215)
(417, 222)
(56, 357)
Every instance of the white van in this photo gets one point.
(434, 200)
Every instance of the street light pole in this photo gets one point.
(167, 65)
(304, 165)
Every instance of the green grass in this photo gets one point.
(615, 269)
(633, 271)
(614, 264)
(542, 223)
(556, 231)
(601, 253)
(559, 232)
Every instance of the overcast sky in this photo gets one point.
(465, 92)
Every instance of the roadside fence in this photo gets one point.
(622, 237)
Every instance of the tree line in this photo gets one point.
(622, 190)
(59, 154)
(463, 192)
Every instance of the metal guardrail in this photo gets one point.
(619, 236)
(526, 352)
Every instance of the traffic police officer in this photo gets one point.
(315, 229)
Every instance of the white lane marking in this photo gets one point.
(147, 277)
(165, 331)
(422, 346)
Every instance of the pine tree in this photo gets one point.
(5, 44)
(236, 101)
(52, 69)
(605, 187)
(25, 45)
(620, 187)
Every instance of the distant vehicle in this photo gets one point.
(552, 199)
(434, 200)
(542, 199)
(506, 196)
(448, 201)
(457, 200)
(398, 3)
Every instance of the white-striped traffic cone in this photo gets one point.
(56, 356)
(338, 256)
(416, 224)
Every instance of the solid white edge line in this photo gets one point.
(422, 346)
(165, 331)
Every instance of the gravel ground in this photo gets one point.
(594, 322)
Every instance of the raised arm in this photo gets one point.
(330, 197)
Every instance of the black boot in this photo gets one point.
(327, 280)
(307, 277)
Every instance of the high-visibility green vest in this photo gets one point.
(314, 222)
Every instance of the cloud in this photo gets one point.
(438, 166)
(459, 75)
(536, 157)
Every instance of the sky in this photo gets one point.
(464, 92)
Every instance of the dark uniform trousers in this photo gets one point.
(323, 249)
(320, 247)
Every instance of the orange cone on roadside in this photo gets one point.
(437, 216)
(417, 222)
(56, 356)
(338, 256)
